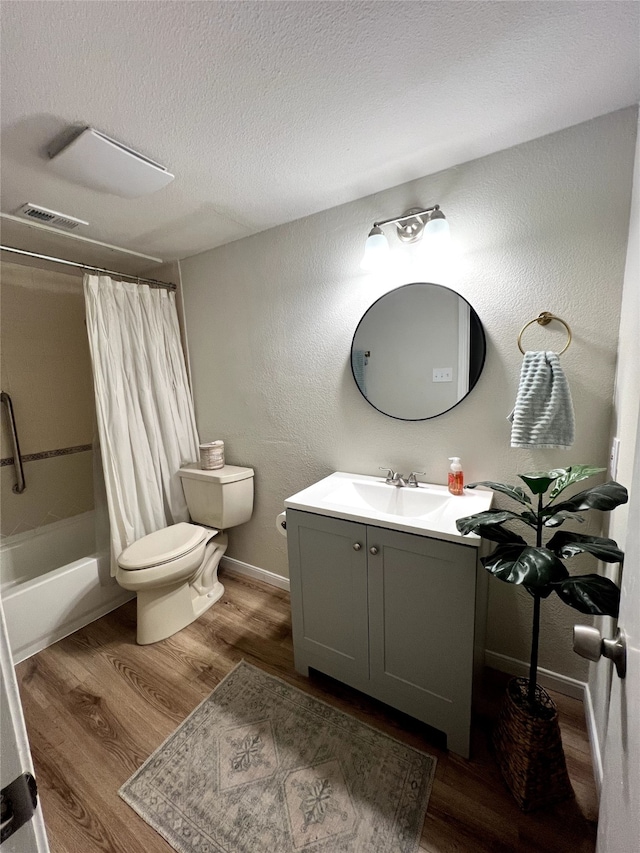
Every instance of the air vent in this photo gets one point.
(50, 217)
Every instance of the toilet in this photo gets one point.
(174, 571)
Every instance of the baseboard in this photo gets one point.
(594, 740)
(237, 567)
(548, 679)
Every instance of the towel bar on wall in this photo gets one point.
(543, 319)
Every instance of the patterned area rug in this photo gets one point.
(261, 767)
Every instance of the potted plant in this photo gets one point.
(527, 737)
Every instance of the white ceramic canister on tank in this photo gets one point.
(212, 455)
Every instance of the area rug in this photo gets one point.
(261, 767)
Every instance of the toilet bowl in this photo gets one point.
(174, 571)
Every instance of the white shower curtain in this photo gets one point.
(145, 414)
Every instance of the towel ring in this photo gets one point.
(543, 319)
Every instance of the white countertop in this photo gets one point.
(429, 510)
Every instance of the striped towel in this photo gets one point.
(543, 412)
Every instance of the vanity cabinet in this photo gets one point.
(392, 614)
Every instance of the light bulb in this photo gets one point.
(437, 228)
(376, 250)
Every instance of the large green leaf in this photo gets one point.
(590, 594)
(530, 518)
(559, 518)
(476, 523)
(515, 492)
(542, 591)
(535, 567)
(573, 475)
(539, 481)
(606, 497)
(567, 544)
(498, 533)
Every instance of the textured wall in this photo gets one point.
(542, 226)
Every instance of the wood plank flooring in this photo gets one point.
(97, 705)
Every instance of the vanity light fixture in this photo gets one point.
(410, 227)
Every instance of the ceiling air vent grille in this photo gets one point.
(50, 217)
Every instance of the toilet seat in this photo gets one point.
(164, 546)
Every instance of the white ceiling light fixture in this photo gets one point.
(410, 228)
(96, 161)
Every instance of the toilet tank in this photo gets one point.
(220, 498)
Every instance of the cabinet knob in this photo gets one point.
(373, 550)
(357, 546)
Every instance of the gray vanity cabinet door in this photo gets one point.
(421, 623)
(328, 572)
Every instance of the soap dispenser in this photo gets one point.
(456, 477)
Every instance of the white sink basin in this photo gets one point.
(407, 501)
(429, 510)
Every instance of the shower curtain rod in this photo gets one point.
(154, 282)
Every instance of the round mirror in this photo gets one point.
(418, 351)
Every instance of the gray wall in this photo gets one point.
(541, 226)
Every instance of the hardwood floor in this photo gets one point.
(97, 705)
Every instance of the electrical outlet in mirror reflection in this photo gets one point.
(443, 374)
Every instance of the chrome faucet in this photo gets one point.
(411, 479)
(393, 478)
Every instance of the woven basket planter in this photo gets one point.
(528, 748)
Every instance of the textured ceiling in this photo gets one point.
(270, 111)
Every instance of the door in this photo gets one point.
(422, 597)
(619, 823)
(328, 568)
(22, 829)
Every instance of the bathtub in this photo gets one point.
(53, 582)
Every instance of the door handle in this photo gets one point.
(588, 643)
(373, 550)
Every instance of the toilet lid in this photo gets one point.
(163, 546)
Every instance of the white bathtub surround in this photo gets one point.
(28, 555)
(46, 370)
(144, 407)
(53, 583)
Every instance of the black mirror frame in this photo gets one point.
(475, 321)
